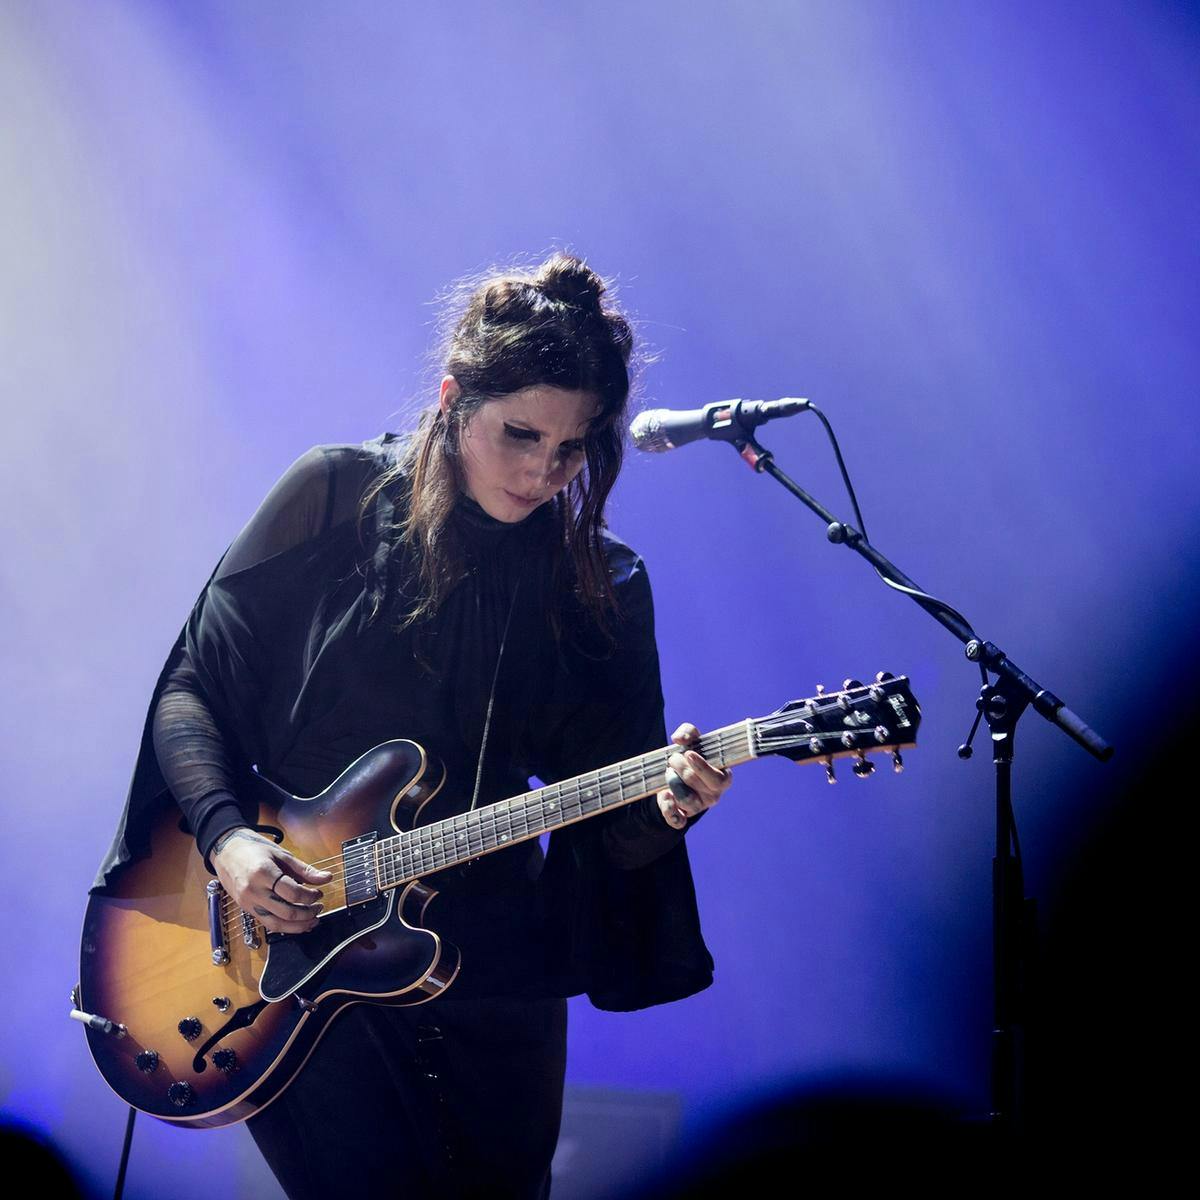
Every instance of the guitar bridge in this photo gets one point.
(359, 869)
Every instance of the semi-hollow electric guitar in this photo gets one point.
(196, 1015)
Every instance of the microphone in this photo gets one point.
(660, 429)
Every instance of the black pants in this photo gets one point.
(461, 1096)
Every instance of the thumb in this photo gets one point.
(301, 870)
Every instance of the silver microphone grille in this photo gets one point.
(648, 433)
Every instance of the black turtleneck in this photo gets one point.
(283, 665)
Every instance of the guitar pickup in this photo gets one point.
(359, 869)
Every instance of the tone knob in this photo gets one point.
(221, 1003)
(190, 1027)
(226, 1060)
(146, 1061)
(181, 1094)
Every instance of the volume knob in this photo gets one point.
(226, 1061)
(181, 1094)
(190, 1027)
(146, 1061)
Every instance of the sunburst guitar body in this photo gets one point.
(196, 1015)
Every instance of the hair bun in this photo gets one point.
(571, 281)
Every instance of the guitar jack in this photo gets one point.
(92, 1020)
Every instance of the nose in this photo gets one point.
(544, 468)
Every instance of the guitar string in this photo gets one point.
(569, 794)
(724, 739)
(523, 811)
(412, 841)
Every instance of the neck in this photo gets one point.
(469, 835)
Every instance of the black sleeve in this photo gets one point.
(192, 749)
(608, 707)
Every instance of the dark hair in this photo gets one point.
(551, 326)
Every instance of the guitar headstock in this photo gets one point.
(851, 723)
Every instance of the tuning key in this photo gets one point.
(847, 684)
(863, 767)
(830, 777)
(897, 761)
(820, 689)
(884, 676)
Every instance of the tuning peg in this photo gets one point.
(883, 676)
(897, 761)
(863, 767)
(847, 684)
(830, 777)
(848, 739)
(820, 689)
(881, 734)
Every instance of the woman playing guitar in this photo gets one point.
(457, 587)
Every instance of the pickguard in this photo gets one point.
(293, 959)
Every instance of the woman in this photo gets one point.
(456, 587)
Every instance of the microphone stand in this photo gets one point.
(1001, 704)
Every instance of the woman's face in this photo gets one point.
(521, 450)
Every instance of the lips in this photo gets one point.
(529, 500)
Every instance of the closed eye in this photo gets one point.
(521, 435)
(531, 435)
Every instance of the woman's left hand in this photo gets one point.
(705, 782)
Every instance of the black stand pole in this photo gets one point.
(1002, 705)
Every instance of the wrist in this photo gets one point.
(224, 839)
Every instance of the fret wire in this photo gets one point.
(436, 846)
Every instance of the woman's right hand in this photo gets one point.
(268, 881)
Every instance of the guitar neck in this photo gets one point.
(408, 856)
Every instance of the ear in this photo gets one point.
(449, 392)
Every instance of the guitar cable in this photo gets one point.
(120, 1188)
(916, 593)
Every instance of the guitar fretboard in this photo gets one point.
(455, 840)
